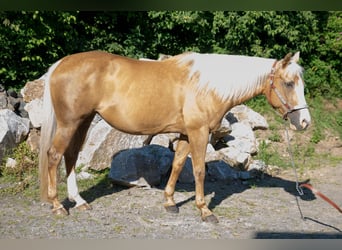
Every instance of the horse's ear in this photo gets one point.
(295, 58)
(286, 60)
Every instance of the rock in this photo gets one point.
(257, 165)
(13, 130)
(33, 90)
(213, 156)
(161, 140)
(244, 138)
(257, 168)
(12, 93)
(102, 143)
(164, 140)
(11, 163)
(187, 174)
(3, 100)
(35, 112)
(235, 158)
(244, 114)
(84, 176)
(245, 175)
(221, 171)
(146, 167)
(12, 101)
(224, 129)
(141, 166)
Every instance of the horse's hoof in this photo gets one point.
(84, 207)
(211, 219)
(172, 209)
(60, 211)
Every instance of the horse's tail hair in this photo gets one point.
(48, 130)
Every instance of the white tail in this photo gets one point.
(48, 130)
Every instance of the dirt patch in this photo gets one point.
(265, 208)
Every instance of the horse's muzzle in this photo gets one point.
(300, 118)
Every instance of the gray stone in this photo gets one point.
(244, 114)
(3, 100)
(187, 175)
(13, 130)
(242, 138)
(221, 171)
(102, 143)
(235, 158)
(33, 90)
(245, 175)
(213, 156)
(11, 163)
(161, 140)
(84, 176)
(35, 112)
(141, 166)
(224, 129)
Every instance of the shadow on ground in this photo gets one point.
(221, 190)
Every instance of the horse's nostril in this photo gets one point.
(305, 124)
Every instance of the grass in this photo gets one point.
(326, 120)
(24, 177)
(24, 174)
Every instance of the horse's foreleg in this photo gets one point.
(181, 153)
(198, 143)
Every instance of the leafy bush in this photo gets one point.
(31, 41)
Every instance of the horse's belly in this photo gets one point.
(143, 120)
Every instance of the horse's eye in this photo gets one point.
(289, 84)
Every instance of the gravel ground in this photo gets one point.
(268, 208)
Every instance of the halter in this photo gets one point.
(289, 108)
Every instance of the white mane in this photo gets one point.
(229, 75)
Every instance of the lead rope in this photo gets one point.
(306, 185)
(298, 187)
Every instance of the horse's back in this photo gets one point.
(132, 95)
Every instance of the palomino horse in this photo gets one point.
(188, 94)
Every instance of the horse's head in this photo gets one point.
(285, 91)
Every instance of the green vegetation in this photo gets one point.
(326, 121)
(31, 41)
(24, 174)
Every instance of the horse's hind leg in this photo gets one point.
(70, 157)
(59, 145)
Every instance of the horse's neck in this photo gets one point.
(249, 78)
(232, 78)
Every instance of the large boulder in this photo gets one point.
(146, 166)
(32, 93)
(141, 166)
(244, 114)
(35, 112)
(242, 138)
(13, 130)
(13, 101)
(33, 90)
(102, 143)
